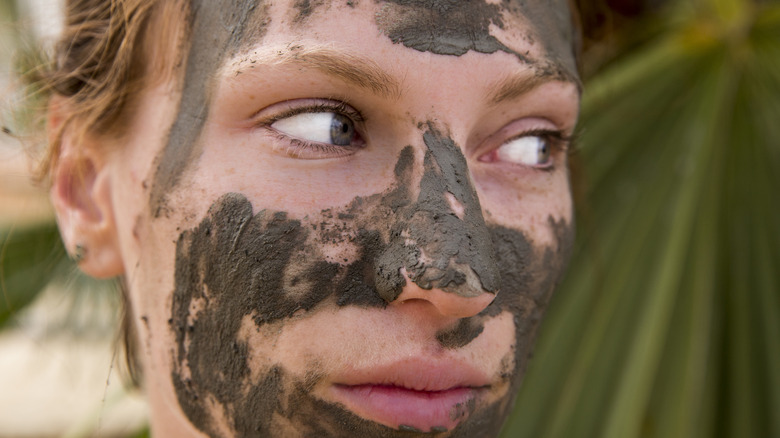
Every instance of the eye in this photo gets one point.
(530, 150)
(313, 129)
(321, 127)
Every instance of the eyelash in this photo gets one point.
(572, 143)
(558, 141)
(556, 137)
(298, 147)
(295, 147)
(338, 107)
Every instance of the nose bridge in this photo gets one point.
(446, 190)
(444, 241)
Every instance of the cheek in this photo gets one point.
(528, 204)
(132, 164)
(256, 289)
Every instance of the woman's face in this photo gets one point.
(347, 218)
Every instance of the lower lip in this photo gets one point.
(396, 407)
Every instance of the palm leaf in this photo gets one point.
(29, 258)
(667, 324)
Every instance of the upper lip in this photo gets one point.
(416, 374)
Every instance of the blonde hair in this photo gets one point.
(108, 52)
(102, 60)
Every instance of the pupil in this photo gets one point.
(341, 130)
(543, 151)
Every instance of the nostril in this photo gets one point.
(455, 205)
(459, 304)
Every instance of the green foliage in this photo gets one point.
(143, 433)
(29, 258)
(668, 322)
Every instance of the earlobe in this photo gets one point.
(81, 195)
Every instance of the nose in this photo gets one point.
(445, 303)
(440, 250)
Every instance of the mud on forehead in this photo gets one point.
(455, 27)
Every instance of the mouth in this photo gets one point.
(412, 395)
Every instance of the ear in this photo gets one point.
(81, 195)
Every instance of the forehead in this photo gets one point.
(537, 33)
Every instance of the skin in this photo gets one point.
(265, 279)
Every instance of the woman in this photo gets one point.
(334, 218)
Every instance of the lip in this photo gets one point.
(412, 394)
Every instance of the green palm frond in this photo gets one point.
(669, 322)
(30, 258)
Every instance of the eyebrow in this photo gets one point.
(366, 73)
(340, 64)
(516, 85)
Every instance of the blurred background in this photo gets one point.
(668, 324)
(59, 368)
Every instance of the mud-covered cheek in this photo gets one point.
(242, 276)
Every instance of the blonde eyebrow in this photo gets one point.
(515, 86)
(338, 63)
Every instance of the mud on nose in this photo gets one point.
(441, 240)
(446, 303)
(455, 205)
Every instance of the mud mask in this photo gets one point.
(269, 266)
